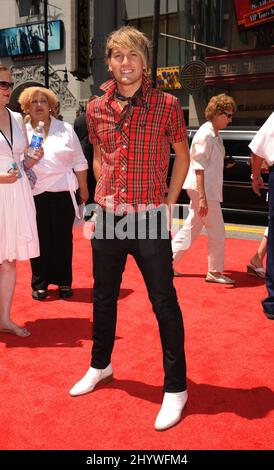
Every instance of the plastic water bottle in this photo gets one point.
(37, 138)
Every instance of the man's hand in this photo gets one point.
(257, 183)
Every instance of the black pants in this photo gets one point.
(55, 215)
(154, 259)
(268, 302)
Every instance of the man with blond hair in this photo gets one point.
(131, 128)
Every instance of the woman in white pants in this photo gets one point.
(204, 185)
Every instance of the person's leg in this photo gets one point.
(268, 302)
(109, 259)
(7, 286)
(190, 230)
(214, 224)
(40, 265)
(258, 258)
(62, 214)
(154, 259)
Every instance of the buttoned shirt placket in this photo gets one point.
(123, 163)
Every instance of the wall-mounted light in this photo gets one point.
(65, 72)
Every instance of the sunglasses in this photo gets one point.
(229, 115)
(6, 85)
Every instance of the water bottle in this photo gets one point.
(37, 138)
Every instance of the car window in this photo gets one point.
(236, 147)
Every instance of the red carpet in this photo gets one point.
(229, 346)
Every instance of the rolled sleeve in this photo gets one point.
(263, 142)
(176, 129)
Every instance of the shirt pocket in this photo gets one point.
(148, 128)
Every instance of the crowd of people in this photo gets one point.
(125, 137)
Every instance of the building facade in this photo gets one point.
(247, 70)
(235, 43)
(226, 46)
(22, 42)
(181, 66)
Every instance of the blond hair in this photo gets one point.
(218, 104)
(128, 36)
(27, 95)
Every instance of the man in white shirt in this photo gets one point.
(262, 147)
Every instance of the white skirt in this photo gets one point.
(18, 230)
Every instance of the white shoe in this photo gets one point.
(219, 278)
(91, 379)
(171, 410)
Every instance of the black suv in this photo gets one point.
(237, 188)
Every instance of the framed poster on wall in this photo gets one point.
(29, 39)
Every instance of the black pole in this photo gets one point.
(103, 25)
(155, 39)
(46, 56)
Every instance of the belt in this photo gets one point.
(138, 216)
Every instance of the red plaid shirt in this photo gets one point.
(135, 159)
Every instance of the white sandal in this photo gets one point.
(259, 272)
(219, 278)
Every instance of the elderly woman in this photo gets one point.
(60, 171)
(204, 185)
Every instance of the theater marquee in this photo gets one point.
(253, 13)
(249, 67)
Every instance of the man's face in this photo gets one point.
(126, 65)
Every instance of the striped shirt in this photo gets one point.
(135, 154)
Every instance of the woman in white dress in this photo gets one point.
(18, 231)
(204, 185)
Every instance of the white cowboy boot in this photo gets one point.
(171, 410)
(91, 379)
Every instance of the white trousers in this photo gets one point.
(214, 225)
